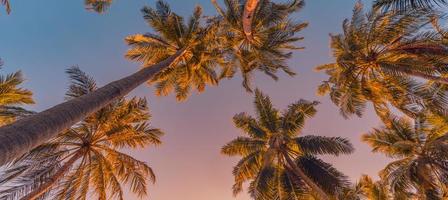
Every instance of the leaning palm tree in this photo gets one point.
(12, 97)
(88, 156)
(26, 134)
(278, 163)
(419, 149)
(263, 41)
(195, 68)
(384, 58)
(403, 5)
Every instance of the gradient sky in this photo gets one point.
(43, 38)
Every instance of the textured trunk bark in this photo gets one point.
(36, 193)
(298, 172)
(27, 133)
(248, 16)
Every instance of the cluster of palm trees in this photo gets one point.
(88, 154)
(393, 57)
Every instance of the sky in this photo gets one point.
(43, 38)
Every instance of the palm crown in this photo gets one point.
(195, 68)
(12, 97)
(419, 150)
(378, 58)
(90, 153)
(270, 45)
(271, 139)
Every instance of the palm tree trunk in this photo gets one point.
(248, 16)
(36, 193)
(299, 172)
(27, 133)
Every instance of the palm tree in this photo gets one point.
(12, 97)
(99, 6)
(26, 134)
(403, 5)
(279, 164)
(196, 67)
(87, 157)
(382, 58)
(263, 41)
(419, 150)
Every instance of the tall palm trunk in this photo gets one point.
(36, 193)
(298, 172)
(27, 133)
(248, 16)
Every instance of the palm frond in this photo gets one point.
(317, 145)
(323, 174)
(7, 5)
(99, 6)
(81, 83)
(403, 5)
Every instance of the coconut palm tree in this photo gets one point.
(263, 41)
(26, 134)
(418, 148)
(196, 67)
(12, 97)
(280, 164)
(88, 156)
(385, 59)
(403, 5)
(99, 6)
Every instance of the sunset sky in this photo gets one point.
(43, 38)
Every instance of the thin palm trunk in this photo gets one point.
(298, 172)
(36, 193)
(27, 133)
(248, 16)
